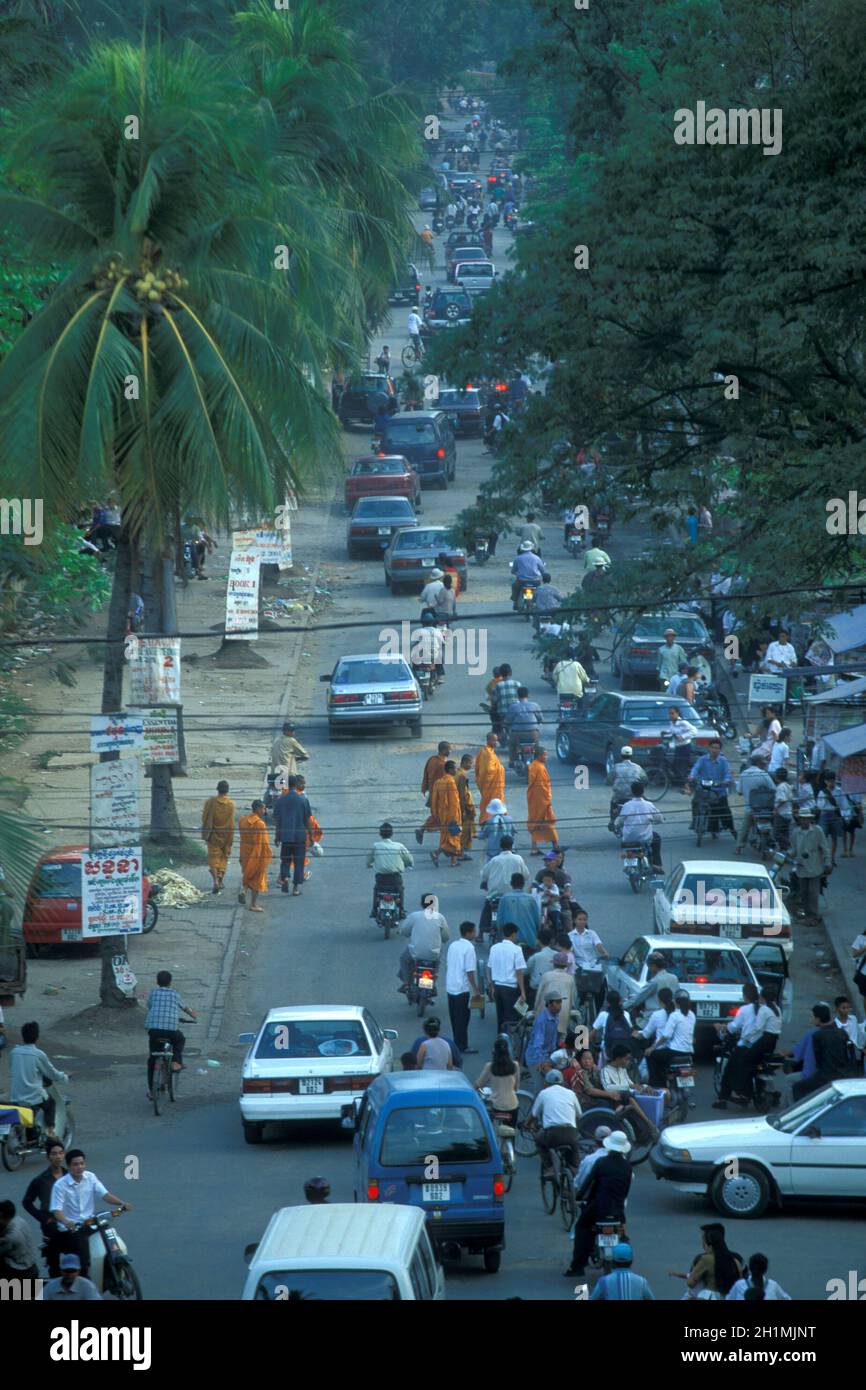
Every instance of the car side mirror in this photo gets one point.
(391, 1034)
(349, 1115)
(250, 1251)
(246, 1038)
(324, 678)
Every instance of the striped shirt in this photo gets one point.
(623, 1286)
(163, 1006)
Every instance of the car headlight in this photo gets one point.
(677, 1155)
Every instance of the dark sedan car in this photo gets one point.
(407, 289)
(362, 397)
(465, 408)
(426, 439)
(374, 521)
(636, 648)
(412, 555)
(599, 728)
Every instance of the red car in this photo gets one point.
(382, 475)
(52, 909)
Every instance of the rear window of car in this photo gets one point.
(377, 467)
(406, 432)
(656, 712)
(60, 880)
(736, 889)
(475, 268)
(327, 1285)
(420, 538)
(692, 629)
(454, 1133)
(391, 506)
(313, 1038)
(368, 383)
(371, 673)
(697, 966)
(458, 398)
(467, 253)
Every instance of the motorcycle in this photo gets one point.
(607, 1236)
(716, 710)
(680, 1084)
(765, 1096)
(576, 541)
(472, 222)
(449, 223)
(110, 1262)
(710, 804)
(493, 928)
(511, 221)
(482, 550)
(525, 753)
(783, 885)
(428, 678)
(636, 866)
(505, 1133)
(438, 222)
(762, 836)
(387, 910)
(602, 528)
(567, 706)
(23, 1131)
(526, 598)
(422, 985)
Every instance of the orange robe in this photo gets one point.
(433, 770)
(467, 809)
(256, 853)
(314, 835)
(541, 822)
(218, 831)
(489, 779)
(445, 806)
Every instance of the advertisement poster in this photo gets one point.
(111, 891)
(114, 811)
(160, 741)
(242, 591)
(767, 690)
(111, 732)
(154, 670)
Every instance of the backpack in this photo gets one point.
(616, 1030)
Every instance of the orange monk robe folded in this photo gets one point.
(256, 853)
(489, 779)
(541, 822)
(445, 807)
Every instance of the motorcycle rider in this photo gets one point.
(73, 1200)
(388, 857)
(502, 696)
(714, 767)
(625, 774)
(636, 819)
(758, 790)
(532, 532)
(428, 932)
(569, 677)
(622, 1284)
(29, 1069)
(427, 644)
(527, 569)
(756, 1026)
(659, 977)
(675, 1039)
(603, 1197)
(547, 596)
(597, 576)
(317, 1191)
(522, 721)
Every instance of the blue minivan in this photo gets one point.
(424, 1138)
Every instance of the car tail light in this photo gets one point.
(400, 695)
(701, 980)
(440, 453)
(417, 287)
(643, 742)
(401, 564)
(255, 1086)
(783, 931)
(363, 530)
(501, 386)
(347, 1083)
(499, 1186)
(609, 1230)
(733, 1009)
(341, 699)
(373, 1190)
(640, 651)
(381, 454)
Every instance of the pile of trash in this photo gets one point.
(177, 891)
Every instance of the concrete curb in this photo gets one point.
(227, 967)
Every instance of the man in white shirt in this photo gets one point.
(461, 983)
(556, 1111)
(624, 774)
(781, 656)
(74, 1198)
(428, 932)
(845, 1019)
(432, 589)
(636, 820)
(507, 965)
(749, 1025)
(496, 874)
(780, 752)
(683, 733)
(413, 328)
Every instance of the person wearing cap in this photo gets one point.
(557, 983)
(625, 773)
(588, 1162)
(527, 568)
(544, 1039)
(556, 1112)
(603, 1198)
(636, 819)
(286, 752)
(622, 1285)
(811, 852)
(317, 1191)
(659, 976)
(413, 328)
(432, 589)
(595, 558)
(671, 656)
(71, 1284)
(554, 860)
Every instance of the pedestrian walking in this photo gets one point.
(811, 862)
(255, 856)
(37, 1203)
(434, 768)
(467, 806)
(541, 822)
(507, 966)
(461, 984)
(489, 777)
(434, 1054)
(292, 816)
(445, 808)
(218, 833)
(19, 1258)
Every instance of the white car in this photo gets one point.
(307, 1062)
(815, 1148)
(720, 897)
(711, 969)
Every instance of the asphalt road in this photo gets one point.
(195, 1214)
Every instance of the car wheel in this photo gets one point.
(492, 1261)
(745, 1195)
(351, 552)
(625, 682)
(253, 1133)
(609, 766)
(443, 483)
(332, 733)
(563, 749)
(417, 729)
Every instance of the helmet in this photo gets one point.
(317, 1190)
(681, 994)
(526, 545)
(553, 1078)
(626, 751)
(622, 1254)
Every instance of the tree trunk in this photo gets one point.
(110, 997)
(158, 575)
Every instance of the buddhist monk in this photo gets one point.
(467, 806)
(218, 833)
(489, 777)
(433, 770)
(541, 822)
(445, 807)
(256, 854)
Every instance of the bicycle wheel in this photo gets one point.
(702, 820)
(158, 1083)
(408, 356)
(549, 1191)
(658, 780)
(567, 1201)
(173, 1080)
(524, 1140)
(508, 1164)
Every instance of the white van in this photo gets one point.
(342, 1252)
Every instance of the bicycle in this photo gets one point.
(411, 356)
(557, 1184)
(165, 1079)
(506, 1134)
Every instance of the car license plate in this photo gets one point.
(428, 564)
(731, 929)
(70, 933)
(436, 1192)
(384, 530)
(607, 1242)
(311, 1086)
(374, 699)
(707, 1010)
(685, 1081)
(630, 863)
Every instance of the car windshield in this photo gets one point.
(692, 629)
(458, 397)
(408, 432)
(793, 1116)
(328, 1285)
(371, 672)
(468, 253)
(313, 1037)
(454, 1133)
(385, 506)
(422, 538)
(696, 965)
(656, 712)
(58, 881)
(377, 467)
